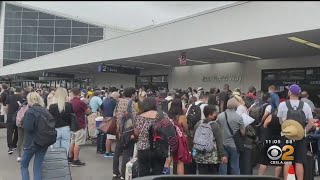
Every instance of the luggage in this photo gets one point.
(2, 123)
(55, 165)
(132, 167)
(309, 165)
(101, 143)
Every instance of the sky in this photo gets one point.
(129, 15)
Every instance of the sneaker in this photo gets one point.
(10, 151)
(70, 160)
(108, 155)
(166, 170)
(77, 163)
(18, 159)
(122, 178)
(13, 149)
(116, 175)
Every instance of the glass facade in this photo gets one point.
(29, 33)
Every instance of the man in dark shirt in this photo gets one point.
(13, 102)
(78, 138)
(224, 97)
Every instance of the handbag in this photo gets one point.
(238, 140)
(109, 126)
(74, 125)
(127, 128)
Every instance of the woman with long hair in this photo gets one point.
(212, 100)
(245, 158)
(142, 123)
(61, 110)
(180, 120)
(30, 126)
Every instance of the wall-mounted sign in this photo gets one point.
(26, 78)
(58, 75)
(118, 69)
(222, 78)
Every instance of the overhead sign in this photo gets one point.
(118, 69)
(58, 75)
(26, 78)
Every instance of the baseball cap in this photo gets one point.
(295, 89)
(200, 88)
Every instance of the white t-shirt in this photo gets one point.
(242, 109)
(310, 103)
(282, 109)
(201, 107)
(268, 109)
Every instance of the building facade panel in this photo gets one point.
(29, 33)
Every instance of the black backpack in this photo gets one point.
(194, 115)
(46, 133)
(249, 101)
(164, 106)
(296, 113)
(162, 137)
(257, 113)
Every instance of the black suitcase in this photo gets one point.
(309, 165)
(55, 165)
(2, 123)
(101, 143)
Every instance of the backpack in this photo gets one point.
(163, 137)
(208, 157)
(127, 127)
(20, 114)
(257, 113)
(203, 138)
(183, 149)
(249, 101)
(296, 113)
(165, 106)
(46, 134)
(194, 115)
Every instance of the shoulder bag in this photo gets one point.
(74, 125)
(238, 140)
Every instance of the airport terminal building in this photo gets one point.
(242, 44)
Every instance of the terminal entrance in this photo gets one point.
(155, 82)
(307, 78)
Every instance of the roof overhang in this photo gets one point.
(252, 24)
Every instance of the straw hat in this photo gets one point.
(115, 95)
(292, 130)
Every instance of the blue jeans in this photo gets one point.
(63, 138)
(233, 159)
(28, 153)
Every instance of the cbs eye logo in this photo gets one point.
(276, 153)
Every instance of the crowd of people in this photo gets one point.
(205, 132)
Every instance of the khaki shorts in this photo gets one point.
(78, 137)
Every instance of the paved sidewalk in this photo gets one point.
(97, 168)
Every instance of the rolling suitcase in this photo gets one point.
(132, 169)
(55, 165)
(309, 165)
(101, 143)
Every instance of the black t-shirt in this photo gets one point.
(12, 103)
(3, 97)
(223, 98)
(62, 119)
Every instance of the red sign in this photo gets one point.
(183, 59)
